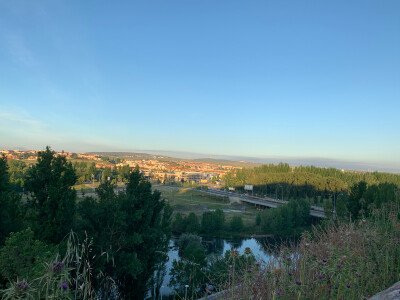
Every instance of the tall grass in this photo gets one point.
(65, 277)
(338, 261)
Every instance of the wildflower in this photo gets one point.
(320, 276)
(348, 286)
(257, 264)
(63, 286)
(298, 282)
(278, 292)
(324, 260)
(290, 273)
(391, 276)
(249, 270)
(247, 250)
(339, 266)
(358, 275)
(23, 285)
(56, 266)
(373, 272)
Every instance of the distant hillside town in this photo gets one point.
(153, 168)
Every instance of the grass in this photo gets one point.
(186, 200)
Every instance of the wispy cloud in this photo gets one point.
(22, 119)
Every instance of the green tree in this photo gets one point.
(107, 173)
(236, 224)
(219, 218)
(190, 269)
(212, 221)
(52, 202)
(207, 222)
(354, 203)
(179, 224)
(17, 170)
(192, 223)
(148, 229)
(258, 219)
(22, 256)
(185, 239)
(91, 171)
(10, 204)
(131, 230)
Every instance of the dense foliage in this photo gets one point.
(287, 219)
(125, 235)
(283, 181)
(52, 197)
(10, 204)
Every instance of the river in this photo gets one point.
(218, 247)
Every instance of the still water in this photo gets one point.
(218, 247)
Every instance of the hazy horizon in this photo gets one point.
(294, 161)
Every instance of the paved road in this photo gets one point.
(316, 211)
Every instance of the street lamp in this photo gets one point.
(186, 287)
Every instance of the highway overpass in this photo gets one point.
(316, 211)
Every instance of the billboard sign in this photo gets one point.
(248, 187)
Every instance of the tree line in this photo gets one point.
(210, 223)
(283, 181)
(85, 172)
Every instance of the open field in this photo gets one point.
(187, 200)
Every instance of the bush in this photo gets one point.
(22, 256)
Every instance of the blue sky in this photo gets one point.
(282, 79)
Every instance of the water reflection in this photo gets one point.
(262, 249)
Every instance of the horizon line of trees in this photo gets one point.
(302, 182)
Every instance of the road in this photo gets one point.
(316, 211)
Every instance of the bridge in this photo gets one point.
(315, 211)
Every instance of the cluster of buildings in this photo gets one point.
(19, 154)
(156, 170)
(179, 171)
